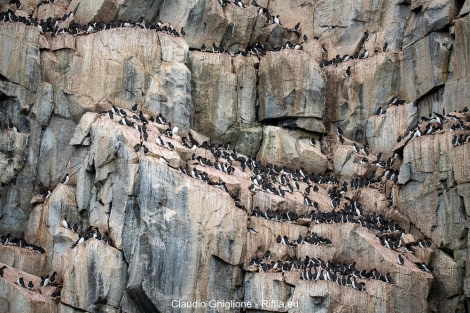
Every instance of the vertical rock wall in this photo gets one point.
(188, 237)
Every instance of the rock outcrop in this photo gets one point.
(160, 156)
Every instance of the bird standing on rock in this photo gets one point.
(65, 180)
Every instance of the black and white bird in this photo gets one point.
(20, 282)
(12, 127)
(160, 141)
(1, 270)
(252, 230)
(65, 180)
(297, 26)
(65, 223)
(400, 259)
(162, 159)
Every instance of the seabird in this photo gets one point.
(297, 26)
(47, 194)
(106, 239)
(162, 159)
(78, 242)
(65, 180)
(400, 259)
(341, 139)
(12, 127)
(1, 270)
(348, 72)
(65, 223)
(20, 282)
(276, 20)
(380, 111)
(30, 285)
(252, 230)
(134, 108)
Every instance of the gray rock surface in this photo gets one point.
(175, 237)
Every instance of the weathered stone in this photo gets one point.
(201, 226)
(170, 96)
(13, 149)
(138, 66)
(95, 11)
(83, 128)
(350, 102)
(97, 281)
(383, 130)
(291, 85)
(208, 22)
(282, 147)
(427, 199)
(19, 54)
(456, 91)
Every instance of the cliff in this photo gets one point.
(320, 160)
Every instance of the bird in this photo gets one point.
(65, 223)
(12, 127)
(134, 108)
(1, 270)
(30, 285)
(348, 72)
(20, 282)
(55, 295)
(276, 20)
(75, 227)
(163, 159)
(65, 180)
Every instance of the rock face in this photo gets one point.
(291, 85)
(160, 156)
